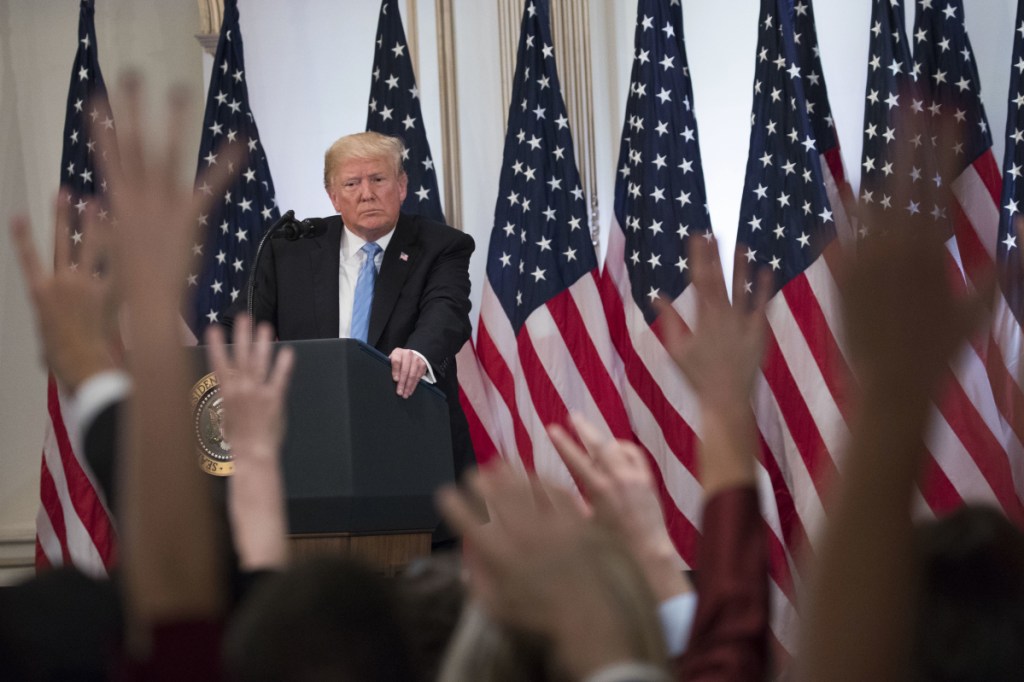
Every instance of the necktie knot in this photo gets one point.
(371, 249)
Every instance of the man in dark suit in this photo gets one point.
(417, 312)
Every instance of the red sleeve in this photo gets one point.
(184, 650)
(730, 630)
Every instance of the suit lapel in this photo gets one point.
(324, 260)
(398, 260)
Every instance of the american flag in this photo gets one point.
(394, 109)
(788, 226)
(837, 186)
(660, 204)
(981, 221)
(72, 526)
(236, 224)
(967, 440)
(1009, 312)
(542, 339)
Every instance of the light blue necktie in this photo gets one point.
(363, 301)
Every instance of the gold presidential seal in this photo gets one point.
(208, 425)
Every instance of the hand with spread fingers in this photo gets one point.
(254, 390)
(541, 566)
(73, 305)
(155, 214)
(619, 486)
(721, 358)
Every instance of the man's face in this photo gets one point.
(368, 194)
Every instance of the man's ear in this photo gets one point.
(333, 196)
(403, 185)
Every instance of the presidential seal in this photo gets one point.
(208, 425)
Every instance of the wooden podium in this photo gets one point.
(361, 464)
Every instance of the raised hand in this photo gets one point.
(720, 358)
(73, 304)
(540, 565)
(620, 488)
(254, 388)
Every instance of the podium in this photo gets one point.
(361, 464)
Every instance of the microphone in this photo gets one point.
(291, 229)
(286, 219)
(302, 229)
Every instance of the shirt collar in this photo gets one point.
(351, 242)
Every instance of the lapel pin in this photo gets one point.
(403, 256)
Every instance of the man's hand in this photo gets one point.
(73, 304)
(407, 368)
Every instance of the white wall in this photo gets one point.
(308, 64)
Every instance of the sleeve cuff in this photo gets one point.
(429, 376)
(94, 395)
(677, 614)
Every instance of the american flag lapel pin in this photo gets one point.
(403, 256)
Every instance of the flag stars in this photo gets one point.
(237, 75)
(83, 74)
(1010, 242)
(776, 263)
(538, 274)
(238, 264)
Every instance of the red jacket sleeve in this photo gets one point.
(730, 631)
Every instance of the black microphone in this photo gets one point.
(284, 221)
(302, 229)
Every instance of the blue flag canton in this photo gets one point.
(540, 242)
(785, 216)
(944, 60)
(394, 109)
(239, 218)
(660, 198)
(1008, 245)
(898, 166)
(80, 176)
(819, 111)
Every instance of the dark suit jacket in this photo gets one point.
(420, 301)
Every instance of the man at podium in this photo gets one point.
(396, 281)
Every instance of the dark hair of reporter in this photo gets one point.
(59, 625)
(431, 597)
(970, 616)
(325, 619)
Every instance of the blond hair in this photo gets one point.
(368, 145)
